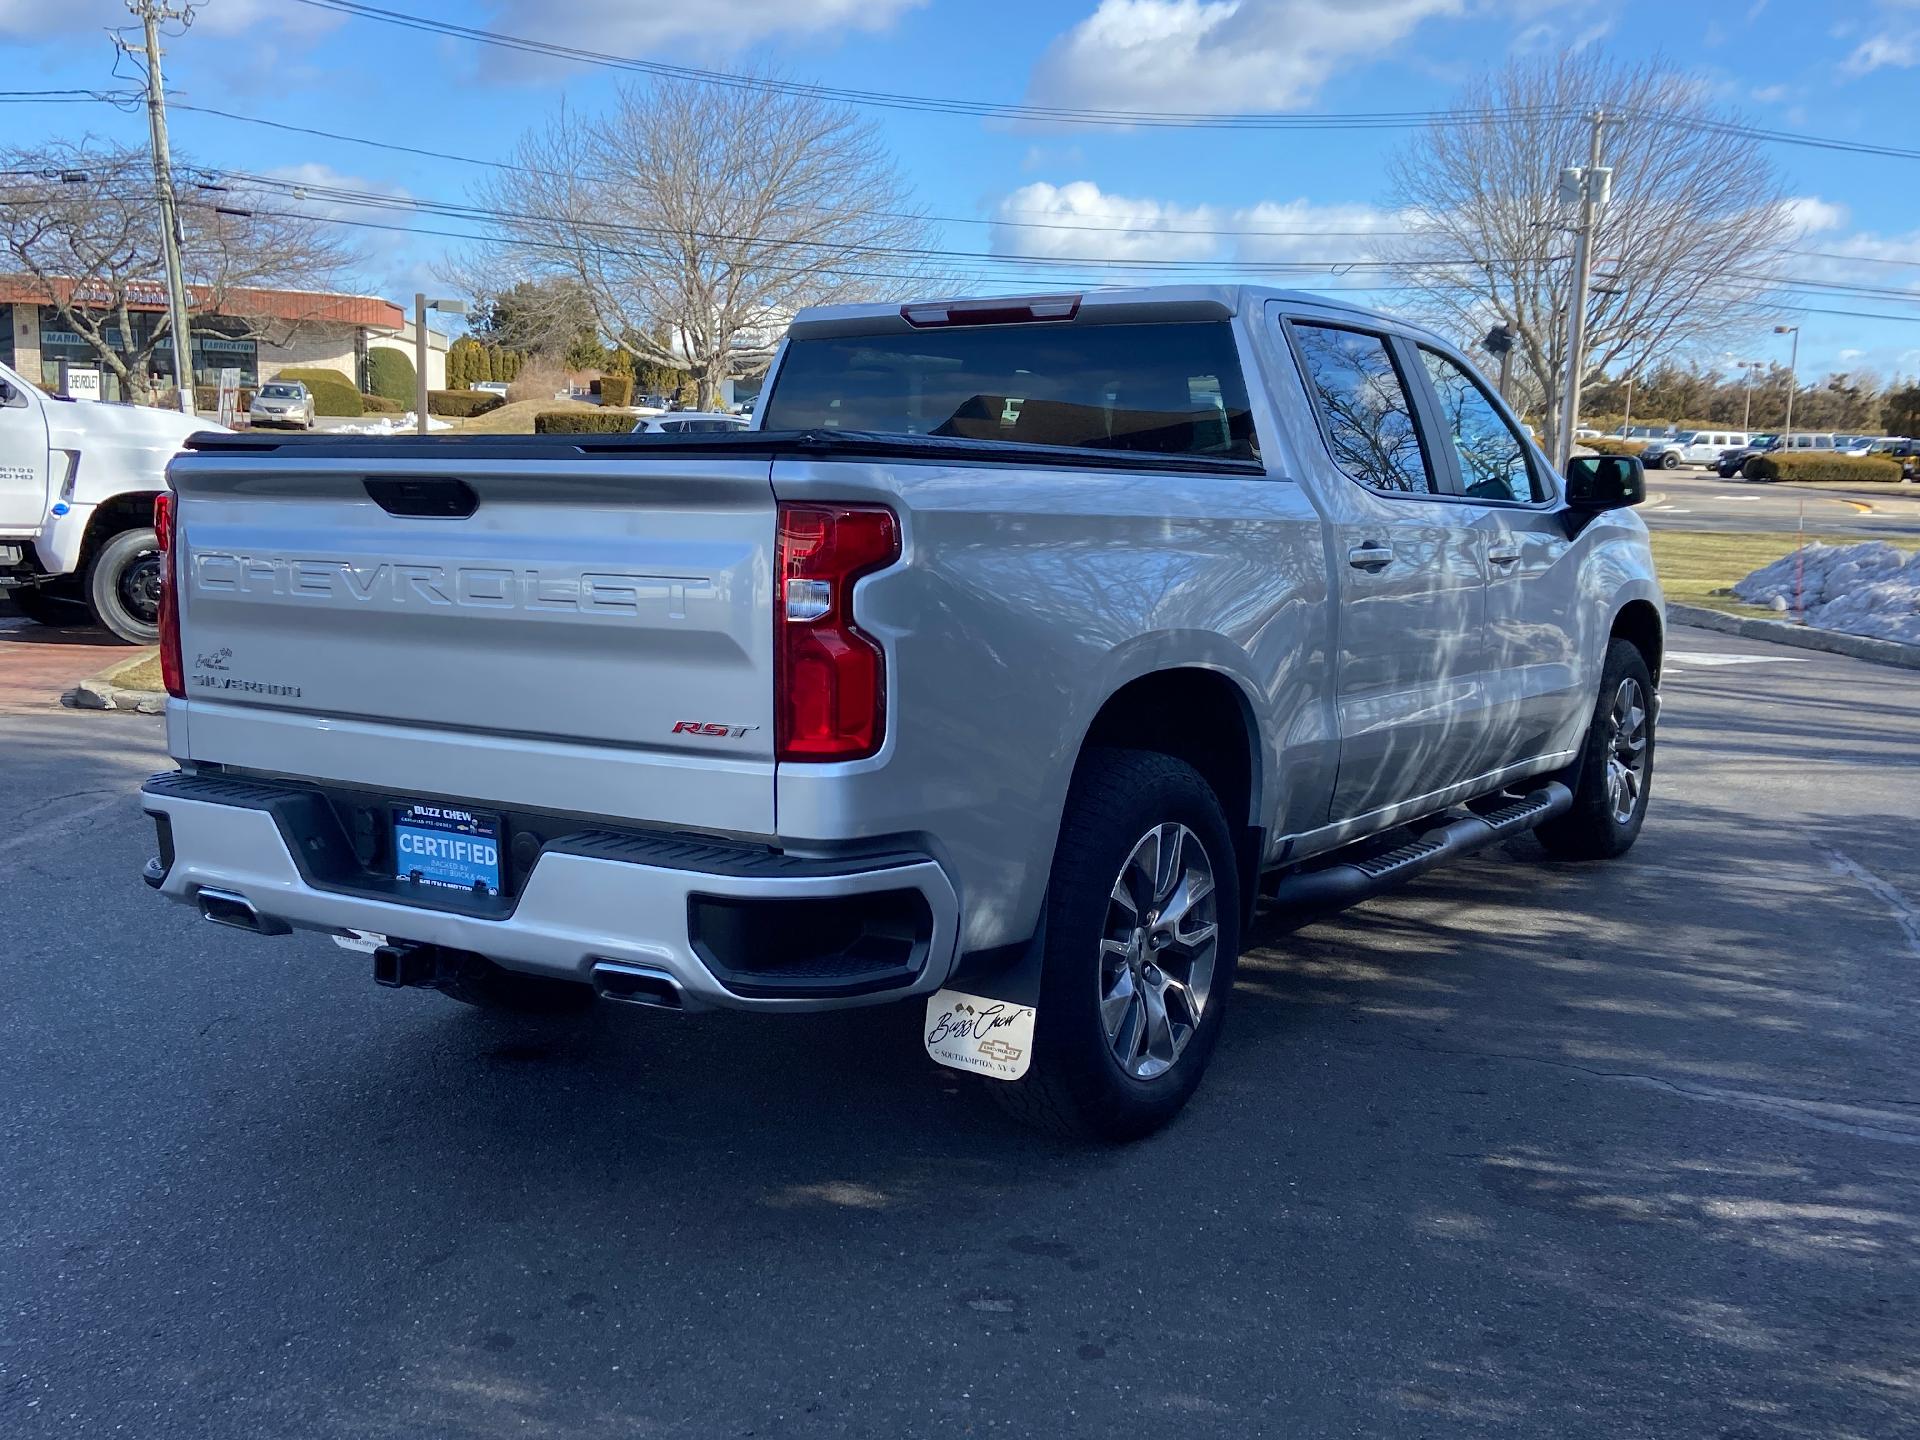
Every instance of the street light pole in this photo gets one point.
(1592, 185)
(150, 14)
(421, 304)
(1793, 372)
(1626, 422)
(1747, 367)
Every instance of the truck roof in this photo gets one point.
(1098, 306)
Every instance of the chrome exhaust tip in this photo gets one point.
(223, 907)
(637, 985)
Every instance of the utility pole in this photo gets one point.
(421, 304)
(1591, 185)
(1499, 343)
(151, 13)
(1747, 367)
(1793, 374)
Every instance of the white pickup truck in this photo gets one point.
(77, 481)
(1019, 647)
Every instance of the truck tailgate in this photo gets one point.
(489, 630)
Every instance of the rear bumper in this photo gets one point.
(730, 927)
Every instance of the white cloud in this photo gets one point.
(1220, 55)
(1810, 215)
(1078, 220)
(714, 27)
(32, 20)
(1897, 45)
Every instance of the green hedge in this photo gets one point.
(333, 393)
(463, 404)
(381, 405)
(1607, 445)
(616, 390)
(390, 374)
(1869, 469)
(575, 422)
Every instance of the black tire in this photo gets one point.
(487, 986)
(1750, 470)
(1077, 1087)
(44, 606)
(1594, 828)
(122, 586)
(1670, 461)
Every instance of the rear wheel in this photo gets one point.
(1142, 940)
(1616, 770)
(123, 586)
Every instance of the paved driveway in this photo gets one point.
(1528, 1149)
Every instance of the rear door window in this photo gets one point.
(1365, 412)
(1169, 389)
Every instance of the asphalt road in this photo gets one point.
(1528, 1149)
(1701, 500)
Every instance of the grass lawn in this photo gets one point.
(141, 674)
(514, 419)
(1695, 563)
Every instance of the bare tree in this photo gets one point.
(79, 221)
(1682, 251)
(696, 218)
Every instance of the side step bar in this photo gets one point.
(1347, 882)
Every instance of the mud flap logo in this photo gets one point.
(979, 1033)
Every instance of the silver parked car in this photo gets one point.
(1020, 647)
(689, 422)
(282, 402)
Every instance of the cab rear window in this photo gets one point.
(1172, 389)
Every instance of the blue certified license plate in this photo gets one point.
(455, 849)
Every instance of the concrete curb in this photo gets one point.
(1801, 637)
(100, 692)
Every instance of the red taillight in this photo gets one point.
(172, 673)
(830, 680)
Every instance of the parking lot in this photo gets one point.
(1524, 1149)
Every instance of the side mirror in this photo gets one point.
(1605, 482)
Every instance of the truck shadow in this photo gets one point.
(1519, 1113)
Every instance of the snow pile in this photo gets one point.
(1867, 589)
(389, 425)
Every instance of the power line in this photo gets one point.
(931, 104)
(1059, 220)
(1032, 266)
(1010, 110)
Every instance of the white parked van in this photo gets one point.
(1691, 447)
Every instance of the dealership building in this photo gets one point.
(261, 333)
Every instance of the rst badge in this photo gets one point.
(711, 729)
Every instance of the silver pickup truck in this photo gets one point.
(1013, 654)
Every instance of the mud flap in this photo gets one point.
(983, 1022)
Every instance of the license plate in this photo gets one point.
(454, 849)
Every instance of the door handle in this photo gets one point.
(1370, 557)
(1504, 557)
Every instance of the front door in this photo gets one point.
(1535, 692)
(1410, 573)
(23, 458)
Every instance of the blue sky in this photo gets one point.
(1848, 69)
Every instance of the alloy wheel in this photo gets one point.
(1158, 950)
(1626, 750)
